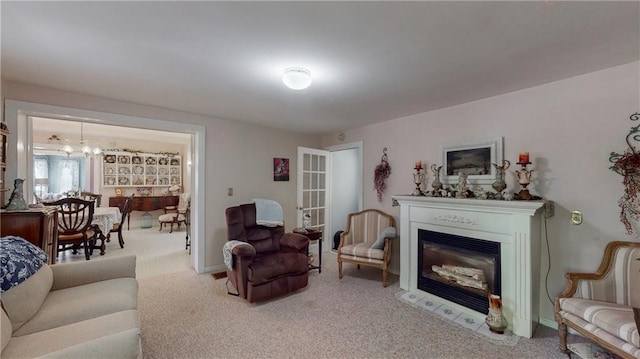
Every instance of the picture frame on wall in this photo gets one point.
(475, 158)
(280, 169)
(118, 192)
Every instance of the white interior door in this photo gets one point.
(313, 189)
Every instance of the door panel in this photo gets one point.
(313, 188)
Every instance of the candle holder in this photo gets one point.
(524, 179)
(418, 178)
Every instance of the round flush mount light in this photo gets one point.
(297, 78)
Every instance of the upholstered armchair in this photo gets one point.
(601, 305)
(270, 262)
(366, 241)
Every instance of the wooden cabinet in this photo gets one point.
(37, 225)
(145, 204)
(122, 169)
(4, 133)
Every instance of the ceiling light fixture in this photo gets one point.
(297, 78)
(84, 147)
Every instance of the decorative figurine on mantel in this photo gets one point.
(418, 179)
(524, 177)
(17, 202)
(437, 185)
(462, 188)
(499, 185)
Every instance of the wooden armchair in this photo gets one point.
(601, 305)
(177, 215)
(365, 241)
(75, 229)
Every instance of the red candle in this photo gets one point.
(418, 165)
(524, 157)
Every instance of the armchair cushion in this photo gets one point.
(264, 269)
(362, 250)
(615, 319)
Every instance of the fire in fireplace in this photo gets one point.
(459, 269)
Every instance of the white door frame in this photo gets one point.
(347, 146)
(21, 161)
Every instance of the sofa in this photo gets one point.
(267, 262)
(71, 310)
(603, 306)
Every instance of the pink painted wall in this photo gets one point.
(569, 127)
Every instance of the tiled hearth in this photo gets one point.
(470, 321)
(514, 224)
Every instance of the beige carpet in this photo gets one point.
(185, 315)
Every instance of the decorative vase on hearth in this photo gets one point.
(495, 320)
(499, 184)
(437, 185)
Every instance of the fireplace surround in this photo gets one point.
(514, 225)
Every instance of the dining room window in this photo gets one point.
(63, 173)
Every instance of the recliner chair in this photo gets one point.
(271, 264)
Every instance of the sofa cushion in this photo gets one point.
(19, 260)
(615, 319)
(115, 335)
(62, 307)
(23, 301)
(5, 328)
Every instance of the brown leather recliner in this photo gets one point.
(274, 264)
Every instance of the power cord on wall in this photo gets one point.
(546, 278)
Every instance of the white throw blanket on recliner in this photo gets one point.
(268, 212)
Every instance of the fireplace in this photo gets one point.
(513, 228)
(459, 269)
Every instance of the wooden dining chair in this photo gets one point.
(91, 197)
(75, 229)
(117, 227)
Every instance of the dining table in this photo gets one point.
(104, 218)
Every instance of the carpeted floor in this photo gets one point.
(185, 315)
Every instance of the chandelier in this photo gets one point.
(83, 147)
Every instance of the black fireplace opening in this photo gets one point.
(460, 269)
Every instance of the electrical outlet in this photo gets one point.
(576, 217)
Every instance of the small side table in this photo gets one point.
(313, 235)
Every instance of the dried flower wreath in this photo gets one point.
(382, 172)
(627, 165)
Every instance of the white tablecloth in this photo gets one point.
(105, 217)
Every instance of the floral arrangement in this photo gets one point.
(382, 172)
(627, 165)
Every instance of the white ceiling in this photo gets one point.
(371, 61)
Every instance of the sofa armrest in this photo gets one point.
(295, 241)
(66, 275)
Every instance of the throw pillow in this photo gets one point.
(19, 260)
(389, 232)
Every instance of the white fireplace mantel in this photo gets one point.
(515, 224)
